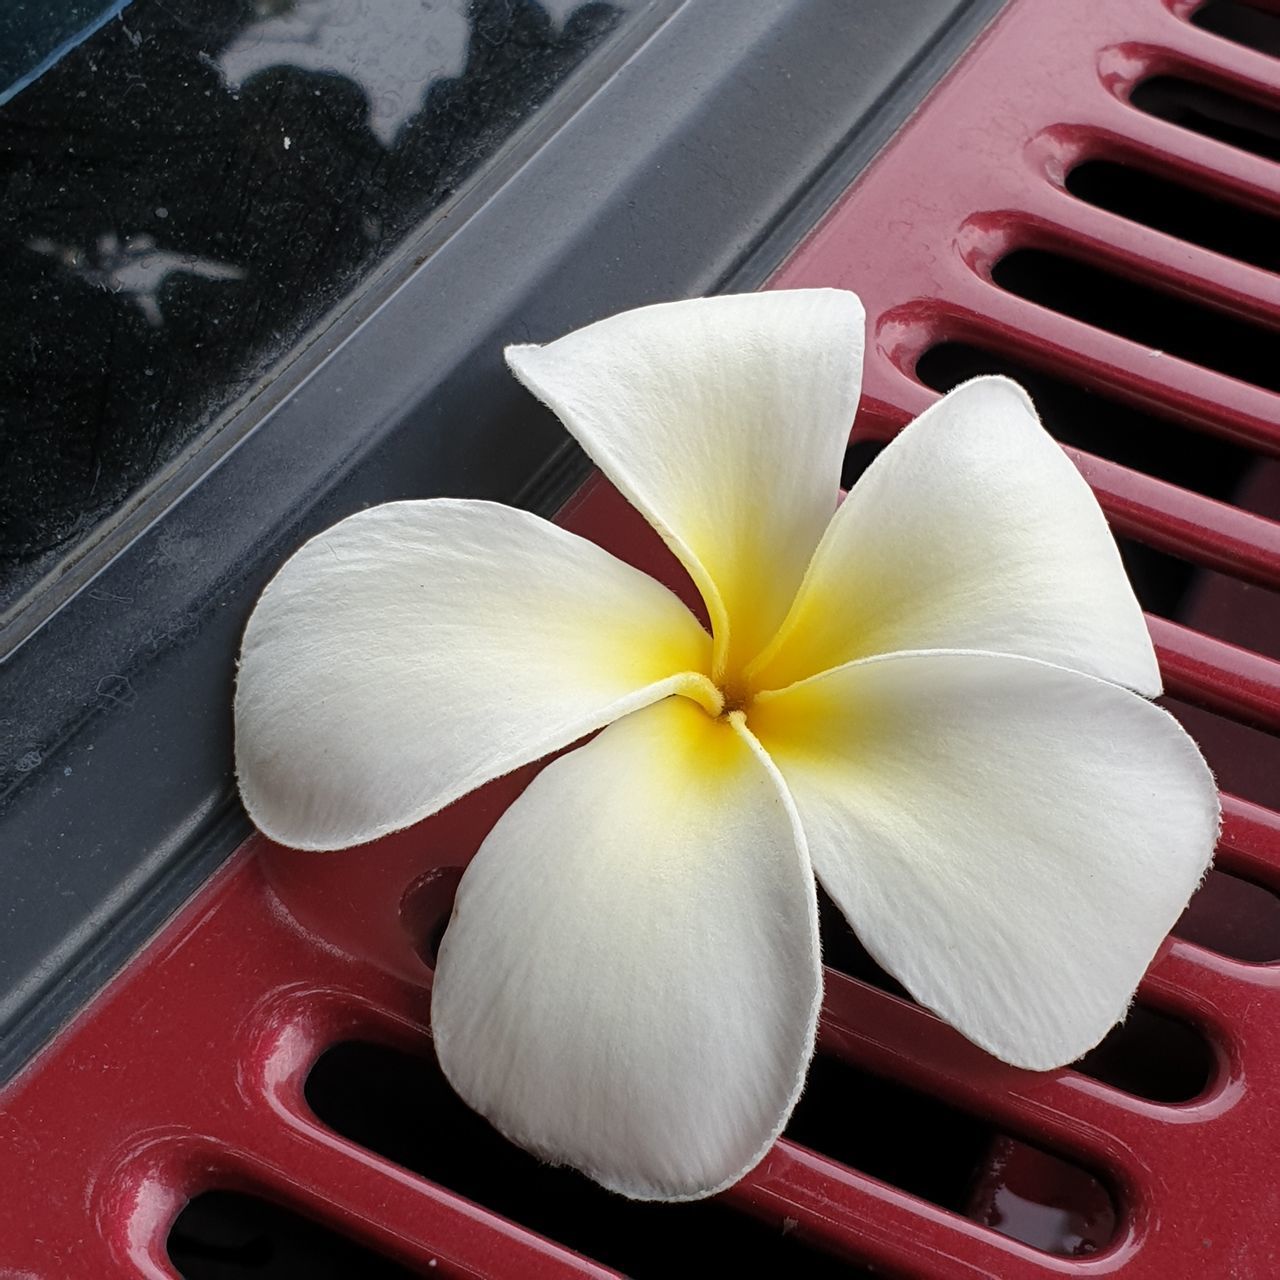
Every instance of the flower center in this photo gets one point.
(736, 695)
(719, 701)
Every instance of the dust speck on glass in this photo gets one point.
(188, 185)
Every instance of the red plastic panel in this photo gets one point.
(188, 1072)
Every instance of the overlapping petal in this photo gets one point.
(972, 530)
(416, 650)
(724, 421)
(630, 981)
(1011, 840)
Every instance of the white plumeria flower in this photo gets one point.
(930, 701)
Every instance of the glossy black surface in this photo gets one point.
(190, 189)
(34, 34)
(227, 1235)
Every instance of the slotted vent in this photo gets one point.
(1249, 24)
(1106, 233)
(1226, 117)
(224, 1235)
(1021, 223)
(1201, 217)
(1165, 322)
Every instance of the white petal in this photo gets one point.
(724, 421)
(419, 649)
(972, 530)
(630, 982)
(1009, 839)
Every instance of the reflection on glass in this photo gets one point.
(368, 48)
(190, 188)
(133, 267)
(34, 34)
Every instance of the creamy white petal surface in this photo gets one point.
(630, 981)
(972, 530)
(925, 698)
(419, 649)
(1009, 839)
(724, 421)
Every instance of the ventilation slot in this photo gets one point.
(945, 1156)
(1242, 23)
(1235, 121)
(857, 458)
(1164, 321)
(1035, 1198)
(1149, 1055)
(223, 1235)
(843, 952)
(893, 1133)
(1235, 917)
(1245, 761)
(400, 1106)
(1152, 1056)
(1215, 603)
(1178, 210)
(425, 908)
(1091, 421)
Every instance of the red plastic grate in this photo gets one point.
(189, 1073)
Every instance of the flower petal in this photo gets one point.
(1009, 839)
(419, 649)
(724, 421)
(972, 530)
(630, 982)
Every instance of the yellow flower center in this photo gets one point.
(720, 700)
(736, 694)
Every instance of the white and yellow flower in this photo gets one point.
(930, 701)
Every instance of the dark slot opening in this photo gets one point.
(1087, 419)
(1242, 23)
(843, 952)
(400, 1106)
(1163, 321)
(857, 458)
(1179, 210)
(893, 1133)
(1034, 1197)
(1222, 116)
(223, 1235)
(1149, 1054)
(1215, 603)
(425, 908)
(1245, 761)
(1153, 1056)
(1233, 916)
(948, 1157)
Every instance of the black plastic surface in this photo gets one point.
(189, 190)
(37, 34)
(689, 163)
